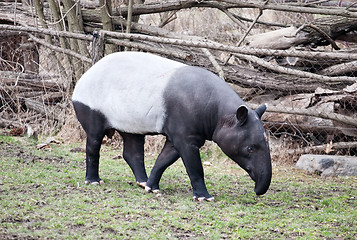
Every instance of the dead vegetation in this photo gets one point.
(299, 58)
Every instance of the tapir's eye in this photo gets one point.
(250, 149)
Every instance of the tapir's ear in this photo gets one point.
(260, 110)
(242, 114)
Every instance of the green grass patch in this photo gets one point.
(43, 195)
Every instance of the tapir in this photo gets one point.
(138, 94)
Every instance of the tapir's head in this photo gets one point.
(242, 137)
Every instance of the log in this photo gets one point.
(5, 123)
(50, 112)
(315, 109)
(318, 33)
(340, 69)
(20, 79)
(277, 39)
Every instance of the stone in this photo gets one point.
(328, 165)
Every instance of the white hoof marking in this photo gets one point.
(155, 191)
(201, 199)
(141, 184)
(94, 183)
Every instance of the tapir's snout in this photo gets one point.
(262, 187)
(262, 181)
(261, 176)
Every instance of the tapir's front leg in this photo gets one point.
(167, 157)
(191, 158)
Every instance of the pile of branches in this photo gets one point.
(269, 67)
(26, 98)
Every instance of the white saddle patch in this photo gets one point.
(127, 87)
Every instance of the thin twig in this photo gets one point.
(246, 33)
(234, 19)
(62, 19)
(274, 24)
(214, 62)
(353, 4)
(171, 16)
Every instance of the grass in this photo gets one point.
(43, 196)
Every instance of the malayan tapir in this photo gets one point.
(138, 93)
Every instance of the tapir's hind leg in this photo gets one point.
(133, 154)
(167, 157)
(93, 123)
(94, 141)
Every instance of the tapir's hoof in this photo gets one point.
(141, 184)
(202, 199)
(155, 191)
(94, 182)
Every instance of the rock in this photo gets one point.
(328, 165)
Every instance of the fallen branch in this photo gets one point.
(299, 73)
(324, 147)
(307, 112)
(340, 69)
(60, 50)
(297, 129)
(34, 84)
(298, 8)
(164, 51)
(243, 50)
(193, 43)
(51, 32)
(158, 7)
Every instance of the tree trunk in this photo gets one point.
(106, 13)
(75, 23)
